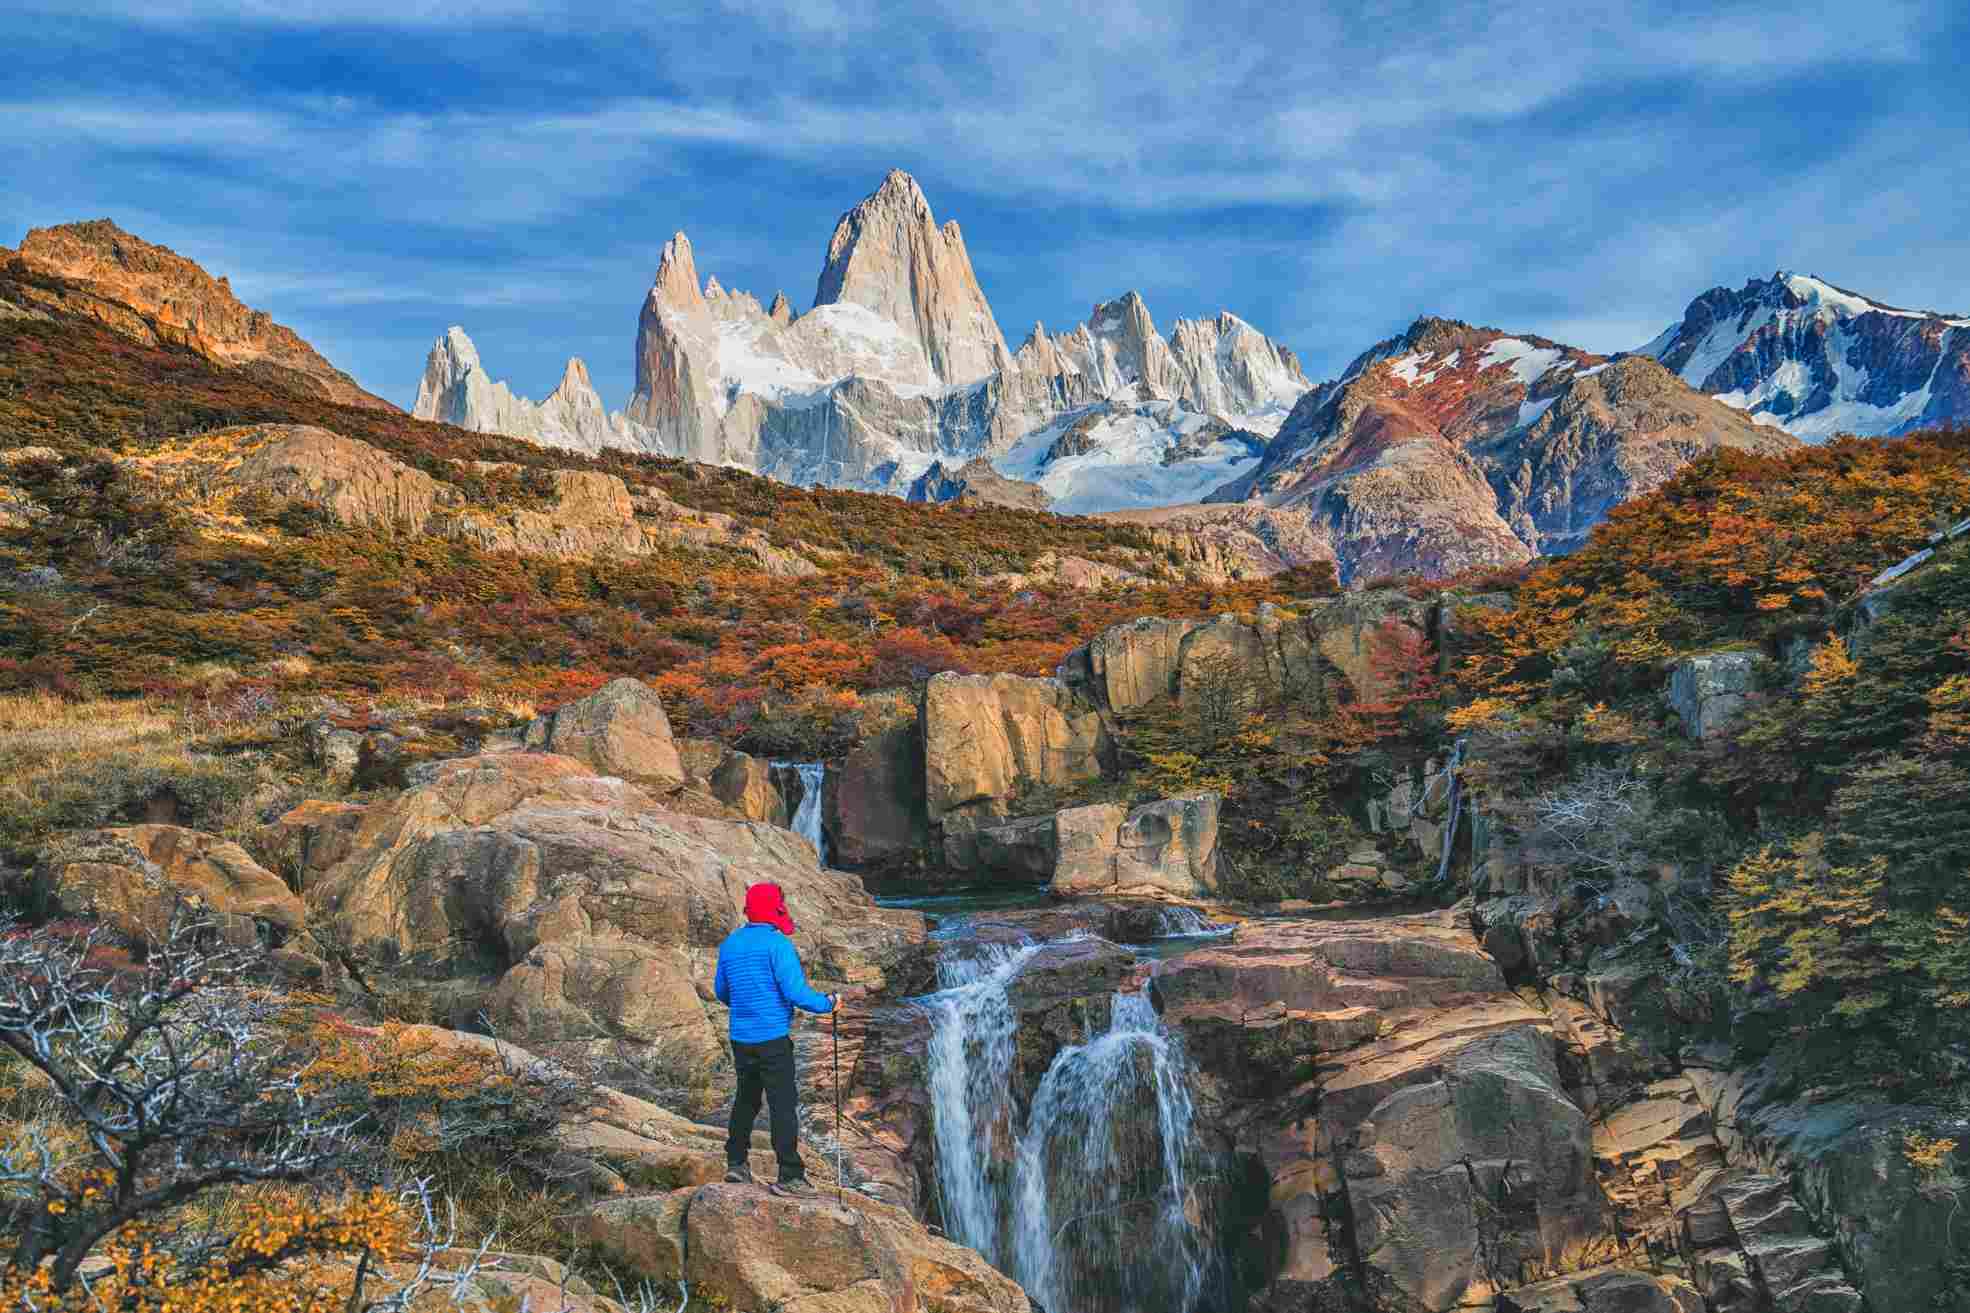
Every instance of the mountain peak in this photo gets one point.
(677, 273)
(888, 255)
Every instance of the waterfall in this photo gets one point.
(972, 1027)
(1104, 1215)
(807, 817)
(1186, 923)
(1090, 1207)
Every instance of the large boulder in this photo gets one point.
(582, 910)
(991, 740)
(350, 481)
(1352, 631)
(743, 1248)
(132, 877)
(1136, 664)
(1161, 849)
(620, 729)
(1707, 692)
(875, 798)
(852, 1256)
(745, 784)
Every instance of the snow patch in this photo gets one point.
(1124, 469)
(1532, 410)
(1528, 362)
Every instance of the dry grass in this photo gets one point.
(71, 765)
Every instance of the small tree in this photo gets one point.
(170, 1080)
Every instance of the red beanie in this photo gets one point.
(767, 905)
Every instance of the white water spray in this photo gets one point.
(807, 816)
(1091, 1207)
(1186, 923)
(972, 1027)
(1104, 1212)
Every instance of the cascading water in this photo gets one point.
(1186, 923)
(807, 816)
(972, 1027)
(1104, 1215)
(1091, 1207)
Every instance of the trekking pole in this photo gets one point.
(835, 1017)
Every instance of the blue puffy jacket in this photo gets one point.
(760, 979)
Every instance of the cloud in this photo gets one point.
(1326, 171)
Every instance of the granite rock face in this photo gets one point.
(1708, 692)
(457, 390)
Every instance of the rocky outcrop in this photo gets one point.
(744, 1248)
(1161, 849)
(353, 482)
(977, 481)
(1797, 351)
(1278, 652)
(1228, 542)
(1428, 1147)
(456, 389)
(620, 729)
(993, 740)
(1604, 1290)
(361, 486)
(578, 909)
(1607, 437)
(133, 878)
(153, 294)
(1707, 692)
(876, 809)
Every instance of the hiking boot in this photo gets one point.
(739, 1174)
(796, 1188)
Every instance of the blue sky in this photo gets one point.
(371, 171)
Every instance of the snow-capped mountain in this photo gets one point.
(1452, 446)
(457, 390)
(900, 365)
(1798, 352)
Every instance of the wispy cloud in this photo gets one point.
(1325, 170)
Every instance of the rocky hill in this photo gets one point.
(1817, 360)
(154, 295)
(1451, 448)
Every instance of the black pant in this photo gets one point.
(766, 1069)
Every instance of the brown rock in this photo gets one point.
(991, 739)
(314, 836)
(352, 481)
(1136, 664)
(153, 294)
(818, 1256)
(131, 878)
(1161, 849)
(1604, 1290)
(620, 729)
(745, 784)
(876, 798)
(590, 910)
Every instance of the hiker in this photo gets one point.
(760, 979)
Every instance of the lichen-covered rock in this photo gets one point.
(620, 729)
(1161, 849)
(1707, 692)
(132, 877)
